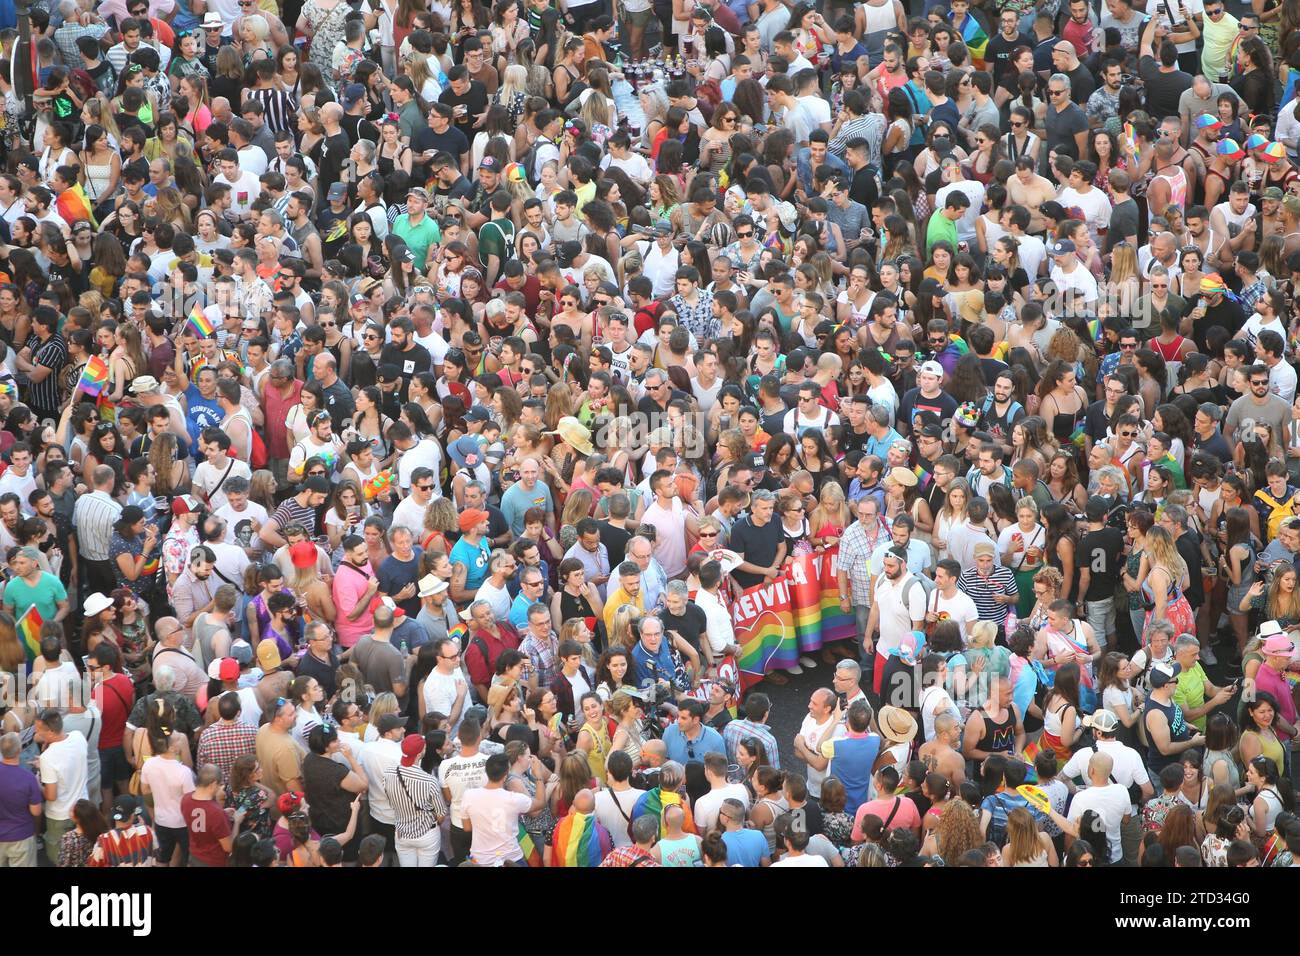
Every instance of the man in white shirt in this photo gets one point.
(410, 513)
(376, 758)
(1271, 348)
(18, 477)
(243, 518)
(719, 630)
(967, 540)
(425, 452)
(948, 601)
(217, 468)
(707, 806)
(490, 814)
(1068, 273)
(621, 156)
(1127, 770)
(446, 690)
(614, 803)
(1110, 801)
(819, 725)
(1082, 193)
(63, 772)
(245, 187)
(897, 609)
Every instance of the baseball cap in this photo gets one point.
(419, 192)
(268, 655)
(489, 162)
(353, 93)
(389, 373)
(931, 368)
(413, 746)
(1102, 720)
(303, 554)
(229, 669)
(186, 504)
(468, 519)
(1061, 247)
(567, 252)
(125, 807)
(663, 228)
(931, 431)
(241, 652)
(1272, 192)
(983, 548)
(337, 191)
(478, 414)
(757, 462)
(1162, 674)
(1292, 205)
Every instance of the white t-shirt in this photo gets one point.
(611, 818)
(21, 485)
(235, 520)
(1111, 803)
(458, 775)
(425, 452)
(1282, 380)
(410, 514)
(959, 608)
(806, 859)
(1128, 766)
(57, 685)
(497, 598)
(1080, 279)
(375, 759)
(709, 805)
(207, 478)
(1032, 252)
(813, 734)
(634, 164)
(494, 815)
(65, 765)
(440, 691)
(896, 617)
(1095, 205)
(243, 191)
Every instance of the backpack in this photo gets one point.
(997, 833)
(1276, 510)
(529, 160)
(257, 455)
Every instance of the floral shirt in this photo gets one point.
(256, 817)
(176, 550)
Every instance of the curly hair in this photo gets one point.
(957, 831)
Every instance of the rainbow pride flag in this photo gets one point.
(1094, 329)
(771, 647)
(923, 478)
(976, 40)
(94, 376)
(1077, 436)
(656, 801)
(199, 323)
(532, 855)
(73, 205)
(580, 841)
(151, 565)
(29, 633)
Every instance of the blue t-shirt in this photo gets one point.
(684, 751)
(475, 558)
(45, 595)
(19, 791)
(745, 847)
(518, 499)
(203, 413)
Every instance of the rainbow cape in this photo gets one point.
(29, 633)
(976, 40)
(532, 855)
(199, 323)
(74, 205)
(580, 841)
(656, 801)
(94, 376)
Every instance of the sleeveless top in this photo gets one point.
(600, 748)
(880, 20)
(1179, 730)
(998, 737)
(683, 852)
(1177, 188)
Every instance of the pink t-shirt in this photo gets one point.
(348, 589)
(168, 781)
(1272, 681)
(905, 818)
(670, 536)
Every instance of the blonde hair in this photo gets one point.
(514, 80)
(385, 703)
(259, 25)
(620, 631)
(1123, 263)
(1050, 577)
(1163, 553)
(982, 634)
(577, 506)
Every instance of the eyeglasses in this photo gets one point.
(532, 584)
(1259, 381)
(708, 534)
(1128, 434)
(317, 473)
(1214, 13)
(448, 657)
(329, 325)
(370, 335)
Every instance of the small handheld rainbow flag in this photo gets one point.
(532, 855)
(1077, 436)
(922, 478)
(579, 841)
(29, 633)
(1094, 329)
(199, 323)
(94, 376)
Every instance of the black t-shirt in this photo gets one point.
(358, 128)
(615, 541)
(329, 805)
(863, 189)
(1082, 84)
(690, 625)
(757, 545)
(1096, 421)
(1215, 445)
(943, 405)
(1163, 90)
(311, 666)
(992, 369)
(852, 441)
(998, 54)
(411, 362)
(451, 141)
(1101, 551)
(462, 188)
(1227, 314)
(773, 423)
(334, 151)
(475, 100)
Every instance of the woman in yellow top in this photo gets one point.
(1258, 733)
(593, 736)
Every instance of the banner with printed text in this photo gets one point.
(794, 614)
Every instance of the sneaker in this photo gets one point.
(1207, 656)
(794, 671)
(807, 661)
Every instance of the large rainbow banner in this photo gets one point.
(794, 614)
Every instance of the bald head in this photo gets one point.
(1099, 768)
(584, 801)
(654, 753)
(331, 114)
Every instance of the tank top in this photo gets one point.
(998, 737)
(1177, 188)
(600, 749)
(1178, 732)
(880, 20)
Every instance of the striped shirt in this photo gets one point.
(416, 800)
(52, 354)
(982, 591)
(134, 846)
(66, 37)
(279, 108)
(93, 518)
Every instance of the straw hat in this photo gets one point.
(575, 434)
(896, 724)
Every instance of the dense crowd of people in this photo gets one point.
(401, 399)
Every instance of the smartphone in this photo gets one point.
(85, 663)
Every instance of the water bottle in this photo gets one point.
(1010, 625)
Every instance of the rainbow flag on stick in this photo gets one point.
(199, 323)
(29, 633)
(923, 478)
(580, 841)
(93, 377)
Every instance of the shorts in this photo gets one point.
(113, 767)
(638, 18)
(168, 839)
(1101, 617)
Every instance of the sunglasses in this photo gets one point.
(745, 235)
